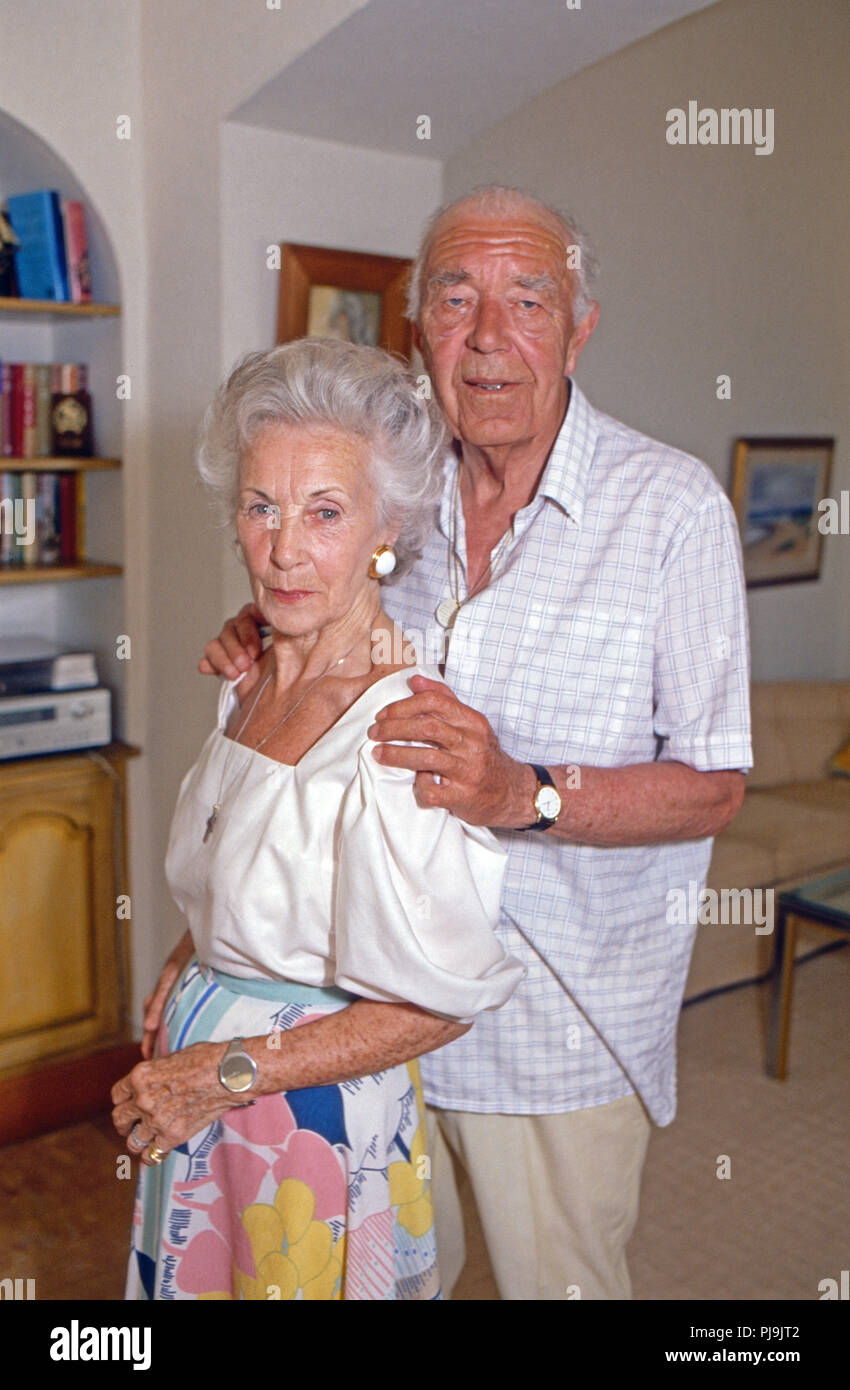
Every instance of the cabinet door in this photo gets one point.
(59, 968)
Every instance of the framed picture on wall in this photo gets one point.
(343, 294)
(776, 487)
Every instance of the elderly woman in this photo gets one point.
(337, 929)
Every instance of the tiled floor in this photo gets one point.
(65, 1214)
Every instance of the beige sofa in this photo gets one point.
(794, 823)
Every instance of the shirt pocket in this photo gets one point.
(580, 682)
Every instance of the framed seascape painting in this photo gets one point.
(343, 294)
(776, 487)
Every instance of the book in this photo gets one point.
(47, 519)
(9, 245)
(28, 535)
(40, 263)
(27, 399)
(5, 409)
(10, 494)
(16, 409)
(29, 665)
(77, 251)
(39, 522)
(43, 399)
(69, 376)
(68, 518)
(28, 409)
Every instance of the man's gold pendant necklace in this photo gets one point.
(447, 611)
(448, 608)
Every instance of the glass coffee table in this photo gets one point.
(823, 902)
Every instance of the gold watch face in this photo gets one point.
(548, 803)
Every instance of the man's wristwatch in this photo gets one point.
(547, 800)
(237, 1070)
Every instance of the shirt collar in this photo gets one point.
(565, 477)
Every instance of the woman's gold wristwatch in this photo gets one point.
(547, 800)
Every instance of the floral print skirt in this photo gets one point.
(321, 1193)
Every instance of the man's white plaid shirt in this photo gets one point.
(615, 632)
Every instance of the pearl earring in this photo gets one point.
(382, 563)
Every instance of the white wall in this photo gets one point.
(198, 62)
(715, 260)
(277, 187)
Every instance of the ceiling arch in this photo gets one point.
(465, 64)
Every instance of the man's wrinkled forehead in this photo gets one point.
(460, 240)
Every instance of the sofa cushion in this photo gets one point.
(797, 830)
(797, 727)
(832, 796)
(783, 833)
(737, 862)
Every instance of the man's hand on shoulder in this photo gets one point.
(236, 650)
(479, 782)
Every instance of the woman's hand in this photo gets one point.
(236, 650)
(156, 1000)
(167, 1101)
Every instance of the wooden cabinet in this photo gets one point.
(63, 933)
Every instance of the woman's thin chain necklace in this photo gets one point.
(449, 608)
(213, 816)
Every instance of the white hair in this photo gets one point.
(496, 200)
(356, 391)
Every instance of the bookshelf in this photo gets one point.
(64, 817)
(85, 569)
(38, 574)
(57, 464)
(47, 309)
(42, 312)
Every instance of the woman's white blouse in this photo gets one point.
(329, 873)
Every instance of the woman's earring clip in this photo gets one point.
(382, 563)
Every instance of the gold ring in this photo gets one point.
(156, 1155)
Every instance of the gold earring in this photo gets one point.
(382, 563)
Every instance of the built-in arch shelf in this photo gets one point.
(36, 598)
(59, 1071)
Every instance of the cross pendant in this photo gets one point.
(211, 822)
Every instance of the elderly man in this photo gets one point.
(587, 581)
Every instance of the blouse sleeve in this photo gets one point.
(416, 900)
(228, 699)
